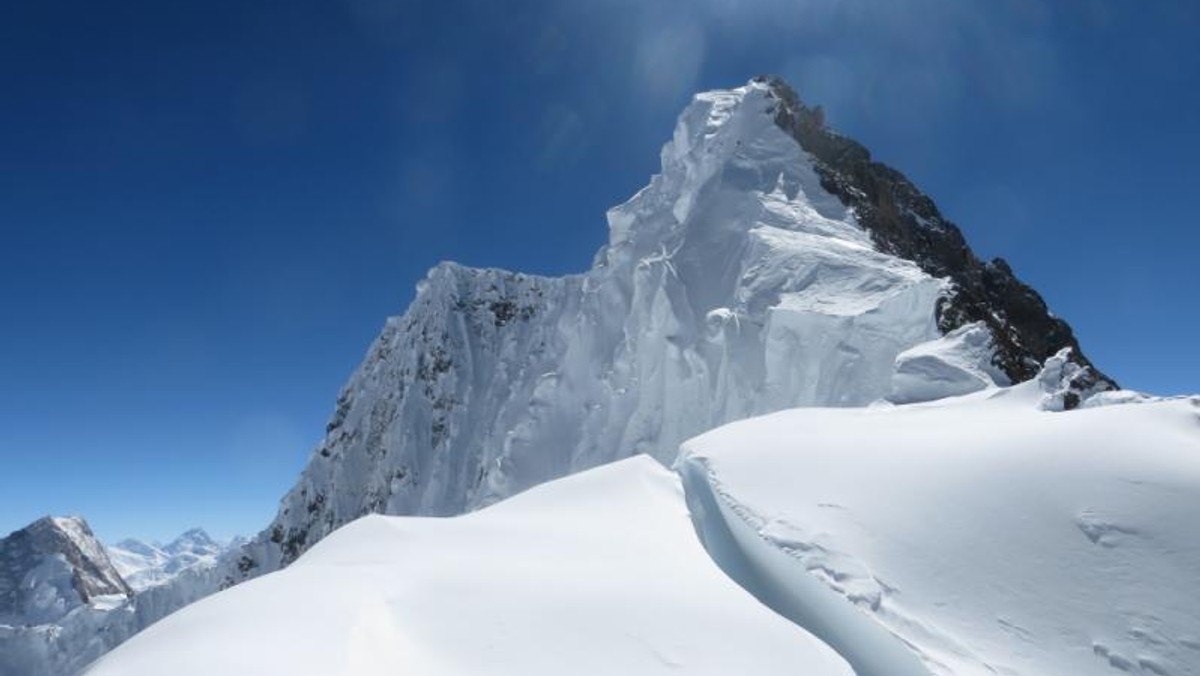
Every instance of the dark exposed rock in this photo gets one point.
(293, 546)
(339, 414)
(504, 310)
(315, 504)
(71, 562)
(906, 223)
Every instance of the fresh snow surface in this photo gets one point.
(985, 533)
(970, 536)
(957, 363)
(600, 573)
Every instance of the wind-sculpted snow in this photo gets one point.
(986, 534)
(955, 364)
(970, 536)
(601, 573)
(732, 285)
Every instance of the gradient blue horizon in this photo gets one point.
(209, 209)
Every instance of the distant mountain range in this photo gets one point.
(144, 564)
(65, 598)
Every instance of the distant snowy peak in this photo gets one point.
(145, 564)
(51, 567)
(194, 543)
(138, 562)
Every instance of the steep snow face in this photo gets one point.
(600, 573)
(145, 565)
(986, 534)
(731, 285)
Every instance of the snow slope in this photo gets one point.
(600, 573)
(984, 534)
(987, 534)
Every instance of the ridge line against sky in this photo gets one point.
(210, 208)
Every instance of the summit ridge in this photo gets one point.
(905, 222)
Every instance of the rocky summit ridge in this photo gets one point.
(905, 222)
(51, 567)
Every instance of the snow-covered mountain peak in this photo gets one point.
(195, 541)
(902, 221)
(726, 150)
(51, 567)
(145, 565)
(196, 533)
(770, 264)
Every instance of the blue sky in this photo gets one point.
(208, 209)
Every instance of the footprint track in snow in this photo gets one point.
(1102, 531)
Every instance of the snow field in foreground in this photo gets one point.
(600, 573)
(989, 536)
